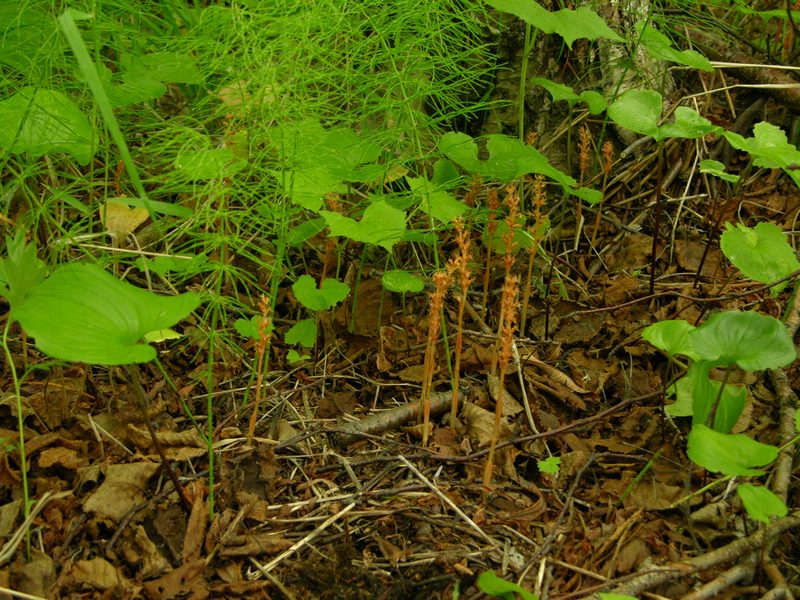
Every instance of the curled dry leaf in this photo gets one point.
(123, 488)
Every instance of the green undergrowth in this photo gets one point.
(282, 148)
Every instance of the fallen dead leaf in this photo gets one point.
(102, 575)
(37, 576)
(186, 581)
(122, 489)
(195, 531)
(153, 563)
(251, 544)
(121, 220)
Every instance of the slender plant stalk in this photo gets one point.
(144, 406)
(23, 459)
(493, 203)
(512, 222)
(464, 280)
(608, 158)
(264, 336)
(87, 66)
(510, 304)
(441, 281)
(537, 232)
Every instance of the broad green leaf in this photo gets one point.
(462, 150)
(82, 313)
(702, 391)
(344, 155)
(303, 332)
(588, 194)
(688, 124)
(381, 225)
(248, 327)
(749, 340)
(401, 281)
(445, 173)
(660, 47)
(673, 337)
(760, 503)
(21, 270)
(762, 253)
(637, 110)
(769, 148)
(126, 88)
(185, 265)
(491, 584)
(39, 122)
(731, 402)
(717, 169)
(682, 390)
(435, 201)
(318, 160)
(329, 294)
(508, 160)
(571, 25)
(594, 100)
(307, 186)
(304, 231)
(212, 163)
(729, 454)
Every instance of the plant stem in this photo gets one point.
(23, 461)
(144, 407)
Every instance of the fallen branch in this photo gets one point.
(727, 554)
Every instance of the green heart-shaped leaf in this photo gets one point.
(729, 454)
(82, 313)
(330, 293)
(762, 253)
(749, 340)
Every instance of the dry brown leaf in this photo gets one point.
(510, 405)
(100, 574)
(153, 562)
(195, 530)
(122, 490)
(64, 457)
(251, 544)
(391, 552)
(186, 582)
(654, 494)
(121, 220)
(8, 517)
(178, 445)
(37, 576)
(479, 424)
(412, 374)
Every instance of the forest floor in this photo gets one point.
(336, 497)
(320, 505)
